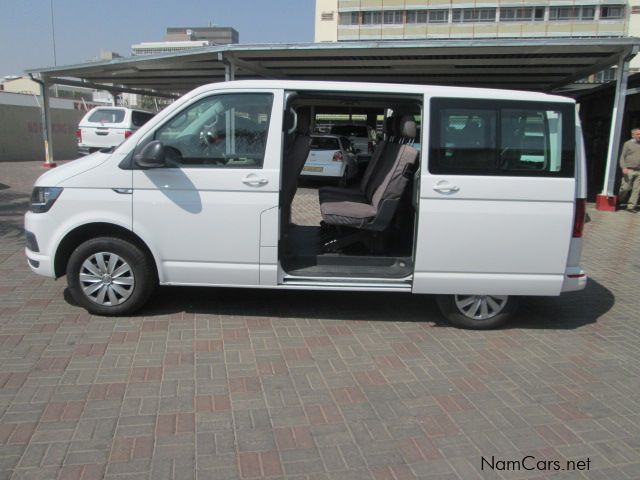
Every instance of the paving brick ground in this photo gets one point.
(226, 384)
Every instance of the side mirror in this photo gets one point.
(151, 156)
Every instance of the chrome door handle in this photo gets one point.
(446, 188)
(254, 181)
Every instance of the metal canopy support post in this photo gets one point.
(45, 111)
(607, 199)
(229, 68)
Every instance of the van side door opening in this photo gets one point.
(366, 230)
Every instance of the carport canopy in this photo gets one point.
(527, 64)
(547, 65)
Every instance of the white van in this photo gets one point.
(489, 209)
(106, 127)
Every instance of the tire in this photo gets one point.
(125, 285)
(462, 311)
(344, 179)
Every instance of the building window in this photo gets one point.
(571, 13)
(394, 17)
(351, 18)
(521, 14)
(371, 18)
(465, 15)
(417, 16)
(438, 16)
(588, 13)
(326, 16)
(611, 12)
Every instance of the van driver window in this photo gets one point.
(221, 131)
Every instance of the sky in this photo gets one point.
(83, 28)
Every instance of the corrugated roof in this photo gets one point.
(528, 64)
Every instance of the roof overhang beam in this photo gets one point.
(109, 88)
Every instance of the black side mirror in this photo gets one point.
(151, 156)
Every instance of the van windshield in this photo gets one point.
(107, 116)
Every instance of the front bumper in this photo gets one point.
(37, 225)
(39, 263)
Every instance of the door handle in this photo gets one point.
(254, 181)
(445, 188)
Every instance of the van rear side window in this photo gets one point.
(107, 116)
(479, 137)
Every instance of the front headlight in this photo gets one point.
(43, 198)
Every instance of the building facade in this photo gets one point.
(214, 35)
(186, 38)
(348, 20)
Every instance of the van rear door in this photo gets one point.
(497, 197)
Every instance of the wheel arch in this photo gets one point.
(92, 230)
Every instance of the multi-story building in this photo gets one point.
(214, 35)
(345, 20)
(185, 38)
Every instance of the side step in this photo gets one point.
(348, 283)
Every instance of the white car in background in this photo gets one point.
(363, 138)
(106, 127)
(331, 156)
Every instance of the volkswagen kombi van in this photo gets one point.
(488, 209)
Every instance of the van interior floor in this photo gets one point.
(302, 256)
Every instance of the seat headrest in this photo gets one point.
(408, 127)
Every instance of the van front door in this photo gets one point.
(201, 214)
(497, 198)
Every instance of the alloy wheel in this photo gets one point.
(106, 279)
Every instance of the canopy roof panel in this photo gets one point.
(527, 64)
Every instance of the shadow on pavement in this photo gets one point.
(13, 206)
(566, 312)
(569, 311)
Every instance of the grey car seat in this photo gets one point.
(296, 150)
(374, 211)
(358, 192)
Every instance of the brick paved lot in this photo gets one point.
(217, 384)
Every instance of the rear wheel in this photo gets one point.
(344, 179)
(110, 276)
(477, 311)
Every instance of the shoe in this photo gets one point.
(631, 210)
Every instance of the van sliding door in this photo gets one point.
(497, 198)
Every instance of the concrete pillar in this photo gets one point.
(47, 133)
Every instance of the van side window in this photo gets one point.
(220, 131)
(510, 138)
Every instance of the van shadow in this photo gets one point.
(567, 312)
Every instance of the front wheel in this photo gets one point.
(479, 312)
(110, 276)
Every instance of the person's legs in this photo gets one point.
(634, 178)
(625, 189)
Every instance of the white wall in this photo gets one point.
(326, 30)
